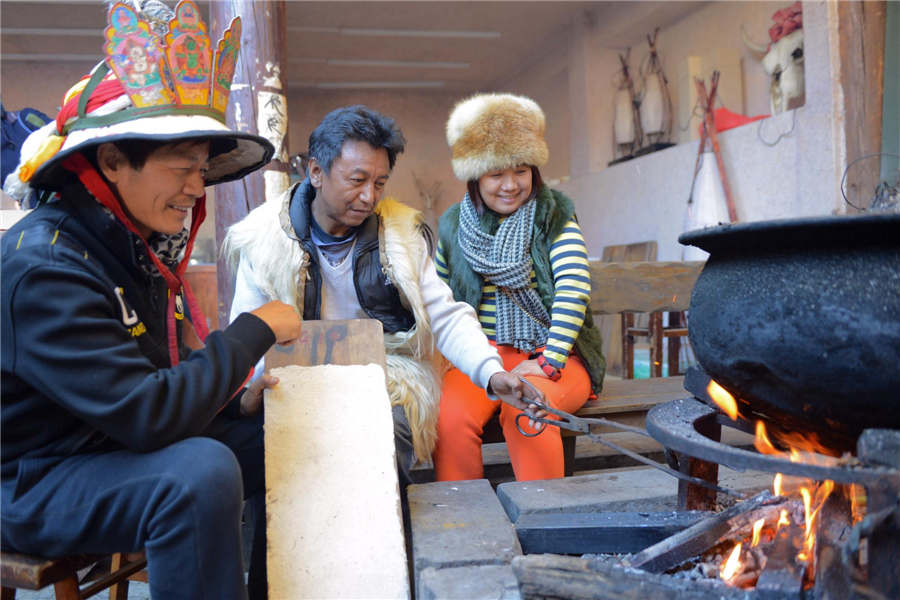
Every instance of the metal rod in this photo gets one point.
(652, 463)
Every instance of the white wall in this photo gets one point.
(645, 199)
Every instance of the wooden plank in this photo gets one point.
(351, 342)
(861, 37)
(623, 395)
(599, 532)
(642, 286)
(332, 497)
(33, 572)
(637, 251)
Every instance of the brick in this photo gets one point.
(458, 524)
(494, 582)
(627, 490)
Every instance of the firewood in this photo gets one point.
(698, 538)
(550, 576)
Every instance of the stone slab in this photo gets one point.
(458, 524)
(642, 489)
(483, 582)
(333, 501)
(600, 532)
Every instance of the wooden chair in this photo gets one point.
(651, 328)
(24, 572)
(646, 287)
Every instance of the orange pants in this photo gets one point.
(465, 408)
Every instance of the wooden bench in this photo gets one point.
(641, 287)
(24, 572)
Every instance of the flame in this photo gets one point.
(762, 442)
(723, 399)
(732, 564)
(757, 529)
(857, 501)
(783, 519)
(800, 450)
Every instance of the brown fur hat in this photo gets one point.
(495, 131)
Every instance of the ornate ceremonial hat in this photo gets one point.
(161, 79)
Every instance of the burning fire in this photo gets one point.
(757, 530)
(723, 399)
(732, 565)
(799, 449)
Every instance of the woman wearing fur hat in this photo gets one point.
(513, 250)
(125, 426)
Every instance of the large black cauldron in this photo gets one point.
(803, 316)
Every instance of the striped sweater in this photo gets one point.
(572, 283)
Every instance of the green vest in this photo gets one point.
(553, 211)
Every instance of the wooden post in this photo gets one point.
(861, 34)
(258, 105)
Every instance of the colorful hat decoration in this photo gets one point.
(174, 85)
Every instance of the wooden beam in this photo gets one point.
(861, 34)
(257, 98)
(642, 286)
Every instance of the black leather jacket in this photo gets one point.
(377, 294)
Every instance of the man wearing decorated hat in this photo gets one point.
(126, 424)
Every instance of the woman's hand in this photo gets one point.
(511, 389)
(251, 399)
(529, 367)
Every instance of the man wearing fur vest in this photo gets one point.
(334, 249)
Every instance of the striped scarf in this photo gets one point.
(504, 260)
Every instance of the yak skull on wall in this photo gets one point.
(783, 58)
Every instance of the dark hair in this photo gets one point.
(354, 123)
(537, 182)
(136, 151)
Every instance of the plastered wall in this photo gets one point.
(780, 167)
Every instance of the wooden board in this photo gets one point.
(352, 342)
(638, 251)
(625, 395)
(642, 286)
(332, 497)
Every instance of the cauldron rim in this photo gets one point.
(819, 231)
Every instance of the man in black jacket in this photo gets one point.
(126, 425)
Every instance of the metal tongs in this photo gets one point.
(572, 423)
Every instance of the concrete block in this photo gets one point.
(457, 524)
(627, 490)
(488, 582)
